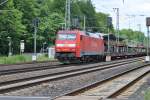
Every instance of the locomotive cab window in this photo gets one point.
(66, 36)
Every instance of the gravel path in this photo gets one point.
(56, 88)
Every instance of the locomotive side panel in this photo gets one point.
(91, 46)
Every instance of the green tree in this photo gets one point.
(30, 10)
(17, 23)
(133, 35)
(102, 22)
(10, 25)
(49, 26)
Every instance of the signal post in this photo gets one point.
(147, 58)
(109, 24)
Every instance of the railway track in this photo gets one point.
(18, 83)
(112, 86)
(24, 67)
(136, 76)
(118, 85)
(27, 67)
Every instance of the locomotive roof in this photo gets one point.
(67, 31)
(96, 35)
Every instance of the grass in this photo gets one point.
(15, 59)
(22, 59)
(147, 95)
(44, 58)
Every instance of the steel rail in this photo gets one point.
(44, 67)
(124, 88)
(70, 70)
(89, 86)
(40, 79)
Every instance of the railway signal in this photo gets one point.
(116, 10)
(75, 22)
(109, 22)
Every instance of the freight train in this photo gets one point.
(80, 46)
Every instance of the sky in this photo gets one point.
(132, 12)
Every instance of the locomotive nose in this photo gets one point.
(65, 46)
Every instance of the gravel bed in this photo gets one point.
(139, 94)
(56, 88)
(12, 77)
(22, 66)
(32, 65)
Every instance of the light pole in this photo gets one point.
(129, 23)
(148, 59)
(9, 44)
(84, 27)
(68, 15)
(139, 27)
(35, 24)
(109, 24)
(117, 26)
(35, 33)
(129, 19)
(133, 16)
(147, 24)
(127, 44)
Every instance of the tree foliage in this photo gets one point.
(18, 22)
(10, 25)
(132, 35)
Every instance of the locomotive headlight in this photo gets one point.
(65, 45)
(59, 45)
(71, 45)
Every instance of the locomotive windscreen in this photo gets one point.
(66, 36)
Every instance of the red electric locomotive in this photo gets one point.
(75, 45)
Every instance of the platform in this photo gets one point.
(23, 98)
